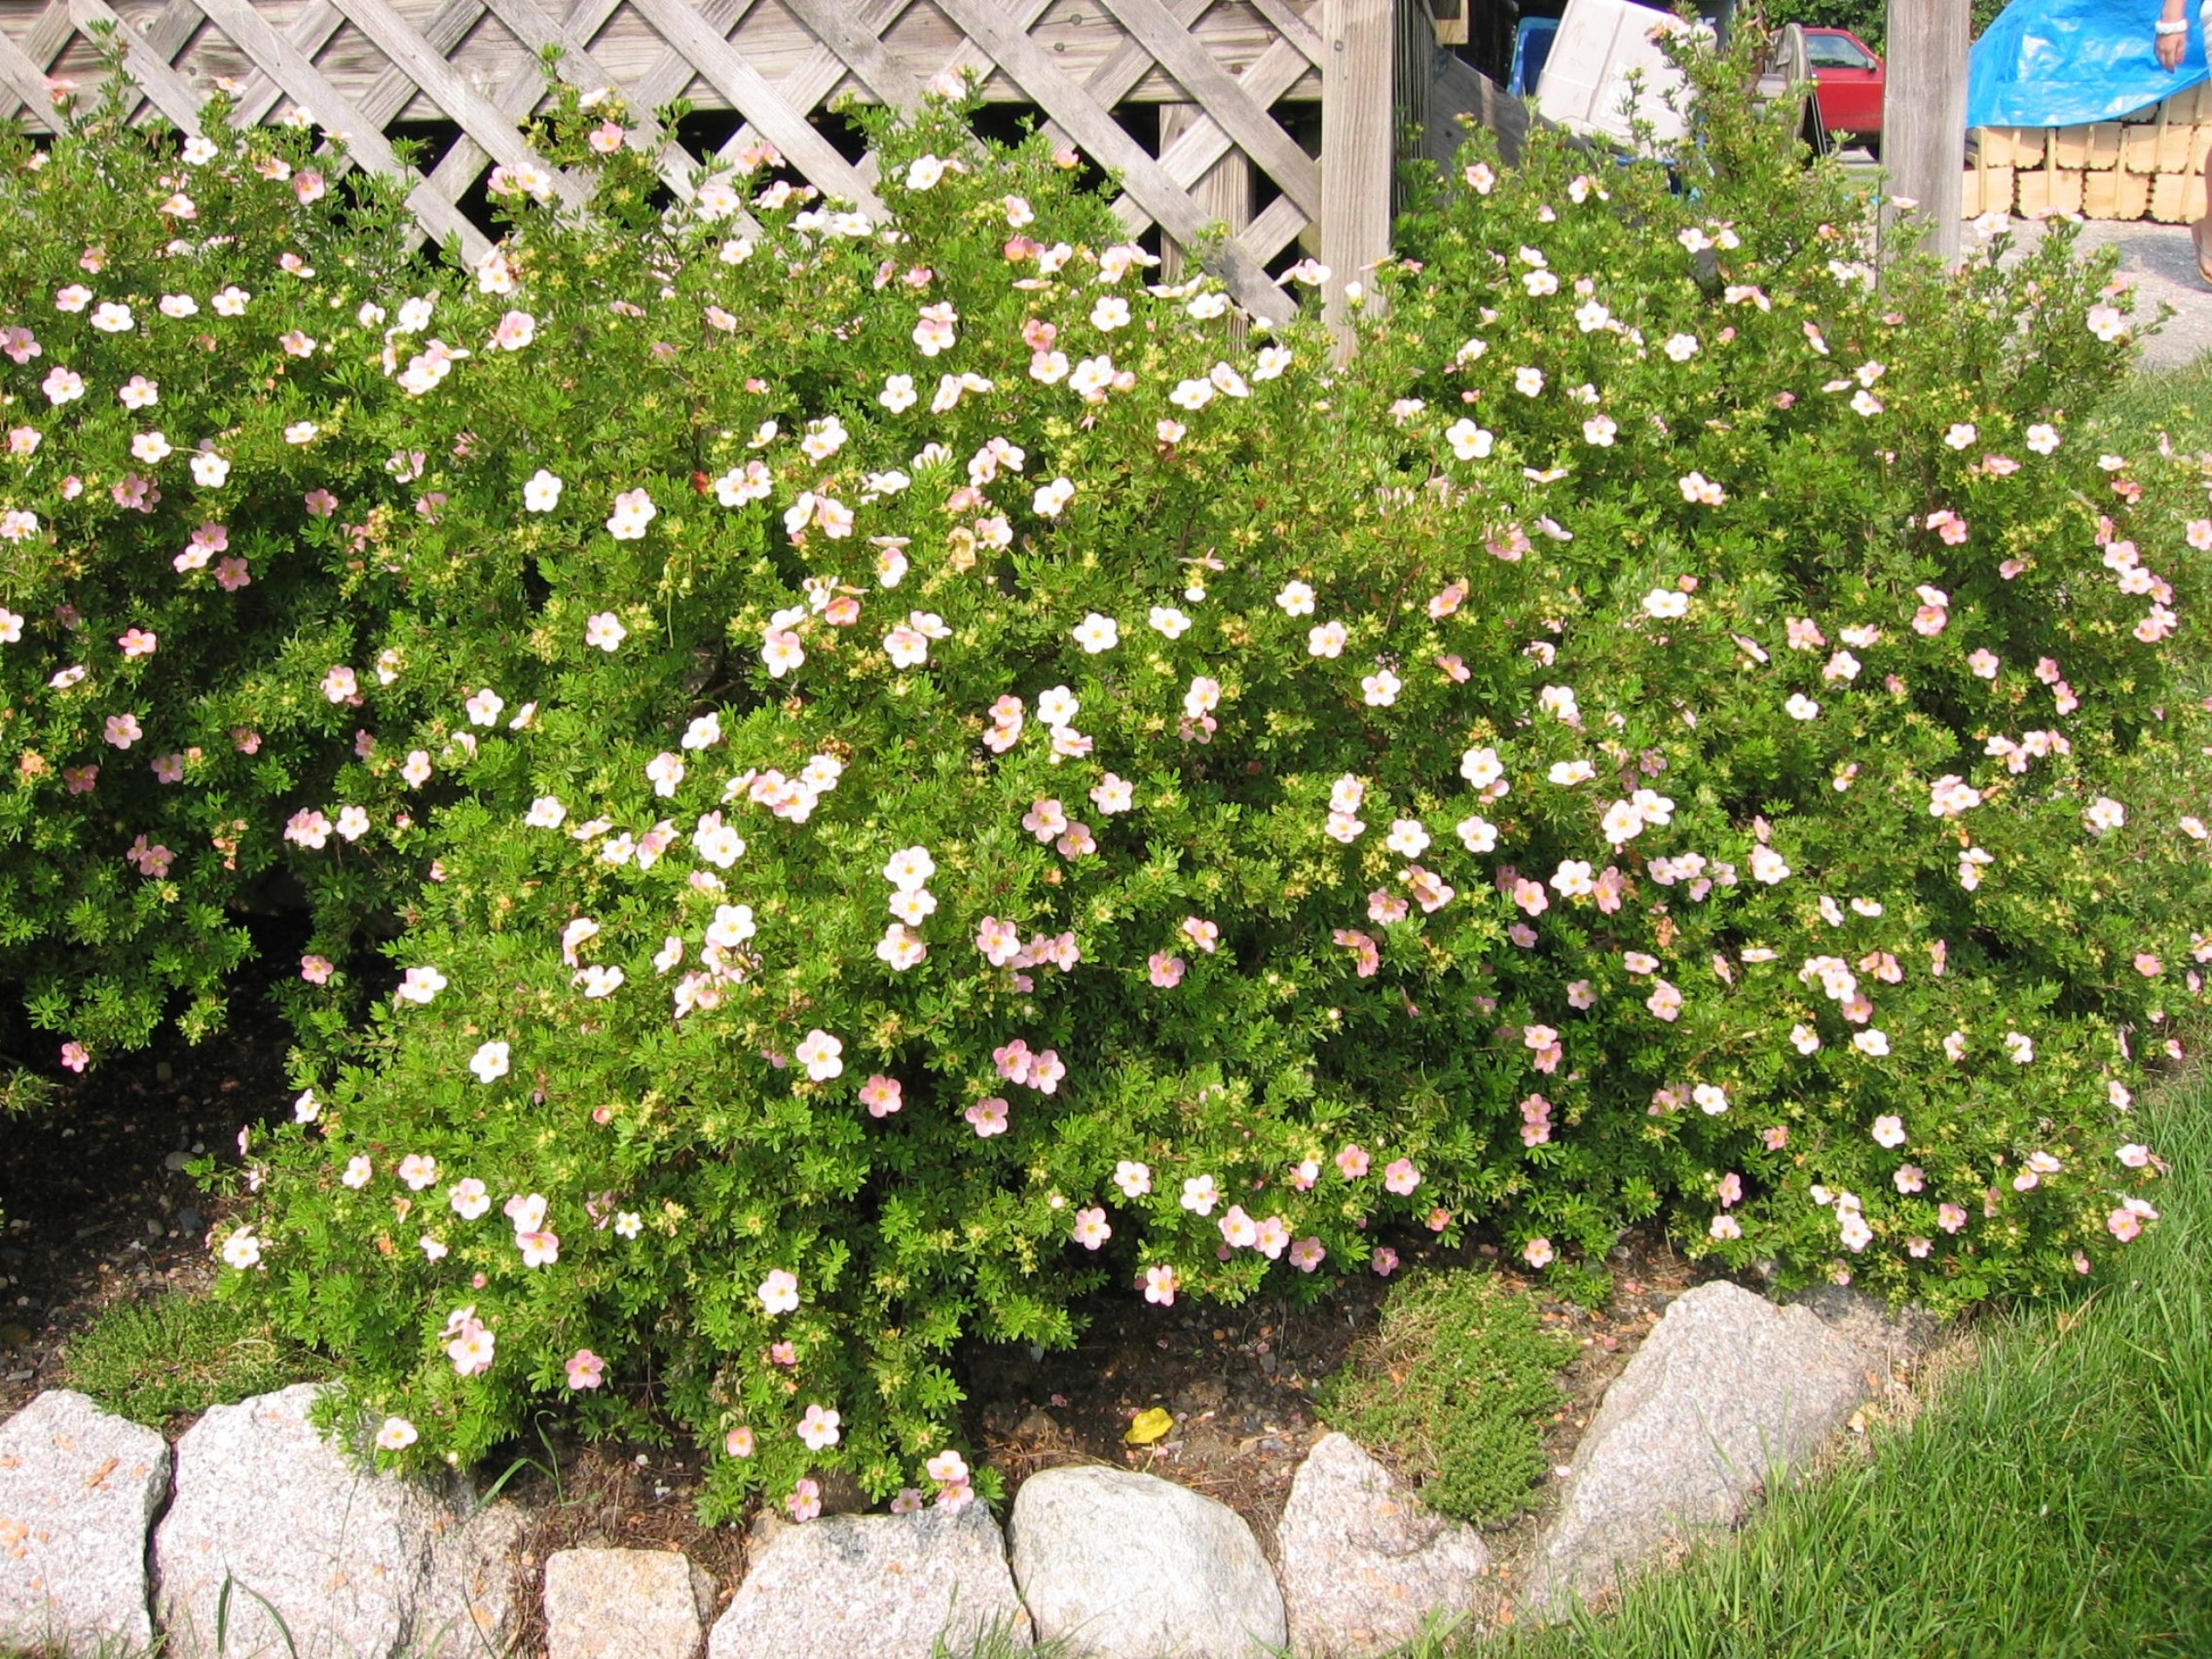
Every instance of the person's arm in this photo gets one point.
(2173, 34)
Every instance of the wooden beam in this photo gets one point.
(1357, 128)
(1224, 195)
(1923, 120)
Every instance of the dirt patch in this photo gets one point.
(99, 1209)
(1238, 1381)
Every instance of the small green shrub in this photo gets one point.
(1452, 1390)
(178, 1354)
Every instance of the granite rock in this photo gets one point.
(1127, 1565)
(1727, 1391)
(1366, 1568)
(626, 1604)
(354, 1564)
(874, 1587)
(78, 1490)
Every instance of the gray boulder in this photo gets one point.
(1727, 1391)
(1365, 1566)
(626, 1604)
(78, 1489)
(874, 1587)
(1128, 1566)
(355, 1565)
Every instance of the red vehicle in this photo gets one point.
(1849, 74)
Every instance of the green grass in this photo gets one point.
(1452, 1390)
(2054, 1500)
(155, 1361)
(2177, 402)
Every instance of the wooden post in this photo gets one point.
(1357, 60)
(1224, 194)
(1924, 116)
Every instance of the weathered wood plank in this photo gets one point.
(1198, 149)
(492, 128)
(1923, 120)
(330, 110)
(1225, 101)
(1098, 132)
(163, 84)
(862, 48)
(310, 32)
(759, 102)
(26, 80)
(1356, 134)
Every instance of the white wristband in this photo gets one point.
(2179, 26)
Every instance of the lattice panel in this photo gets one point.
(1220, 69)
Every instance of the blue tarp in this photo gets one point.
(2058, 63)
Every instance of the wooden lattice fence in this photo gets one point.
(1239, 84)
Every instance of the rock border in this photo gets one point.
(1728, 1393)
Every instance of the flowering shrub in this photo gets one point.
(181, 431)
(950, 777)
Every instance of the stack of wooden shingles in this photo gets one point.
(2149, 165)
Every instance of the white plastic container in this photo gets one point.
(1584, 85)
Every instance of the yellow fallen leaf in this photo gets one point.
(1150, 1427)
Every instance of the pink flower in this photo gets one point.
(738, 1443)
(1951, 1217)
(1166, 970)
(882, 1095)
(1665, 1001)
(123, 730)
(999, 942)
(75, 1056)
(316, 970)
(987, 1117)
(1307, 1254)
(585, 1369)
(1204, 934)
(805, 1501)
(1384, 1261)
(2124, 1225)
(1402, 1177)
(1352, 1162)
(139, 642)
(1091, 1230)
(1160, 1286)
(1538, 1253)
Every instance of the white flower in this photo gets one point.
(819, 1052)
(542, 492)
(909, 868)
(1096, 634)
(1468, 441)
(490, 1062)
